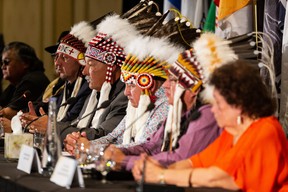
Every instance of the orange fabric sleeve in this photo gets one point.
(258, 161)
(210, 154)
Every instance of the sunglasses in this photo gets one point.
(5, 62)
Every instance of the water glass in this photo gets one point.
(81, 154)
(104, 166)
(38, 140)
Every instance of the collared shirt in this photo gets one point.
(200, 133)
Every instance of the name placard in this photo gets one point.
(64, 171)
(29, 160)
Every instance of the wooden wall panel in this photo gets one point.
(97, 8)
(80, 10)
(1, 16)
(39, 22)
(49, 35)
(22, 21)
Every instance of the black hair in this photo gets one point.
(26, 54)
(241, 85)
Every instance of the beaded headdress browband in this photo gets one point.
(194, 66)
(116, 32)
(75, 43)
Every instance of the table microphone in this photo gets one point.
(27, 94)
(141, 183)
(70, 101)
(25, 97)
(103, 105)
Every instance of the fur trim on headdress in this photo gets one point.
(139, 47)
(120, 30)
(83, 31)
(211, 52)
(164, 50)
(160, 49)
(173, 122)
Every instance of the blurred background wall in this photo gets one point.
(39, 22)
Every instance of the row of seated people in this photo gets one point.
(131, 64)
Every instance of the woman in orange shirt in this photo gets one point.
(252, 152)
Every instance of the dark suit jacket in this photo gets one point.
(75, 109)
(111, 117)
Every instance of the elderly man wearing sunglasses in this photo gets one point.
(25, 73)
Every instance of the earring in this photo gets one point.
(239, 120)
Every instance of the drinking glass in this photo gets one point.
(38, 140)
(104, 165)
(81, 154)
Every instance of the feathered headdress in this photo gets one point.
(163, 42)
(148, 58)
(75, 43)
(145, 63)
(192, 70)
(114, 34)
(253, 48)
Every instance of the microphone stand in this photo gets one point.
(140, 188)
(69, 101)
(103, 105)
(28, 124)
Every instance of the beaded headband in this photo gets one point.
(194, 66)
(148, 59)
(75, 43)
(116, 32)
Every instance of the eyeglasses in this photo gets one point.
(5, 62)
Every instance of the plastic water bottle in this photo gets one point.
(52, 146)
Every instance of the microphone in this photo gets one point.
(103, 105)
(70, 101)
(150, 107)
(28, 124)
(25, 97)
(27, 94)
(141, 183)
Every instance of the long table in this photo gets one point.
(12, 179)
